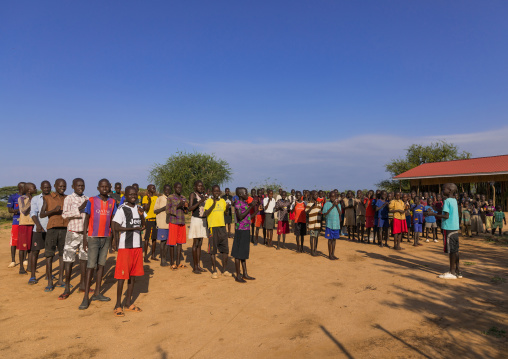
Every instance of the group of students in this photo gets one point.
(76, 225)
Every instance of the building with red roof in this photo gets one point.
(486, 175)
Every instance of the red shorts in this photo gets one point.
(292, 215)
(369, 221)
(14, 235)
(252, 216)
(24, 238)
(282, 227)
(177, 234)
(399, 226)
(260, 220)
(129, 263)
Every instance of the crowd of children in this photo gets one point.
(90, 228)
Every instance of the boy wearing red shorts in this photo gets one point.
(176, 209)
(398, 208)
(13, 207)
(26, 225)
(128, 223)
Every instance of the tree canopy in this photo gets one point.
(5, 192)
(187, 167)
(417, 155)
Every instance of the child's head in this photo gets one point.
(253, 192)
(280, 191)
(425, 194)
(118, 187)
(150, 189)
(78, 185)
(226, 191)
(270, 194)
(320, 194)
(216, 191)
(30, 188)
(45, 187)
(293, 192)
(404, 197)
(283, 194)
(166, 189)
(131, 194)
(383, 195)
(104, 187)
(498, 208)
(242, 193)
(298, 195)
(60, 186)
(370, 194)
(430, 202)
(21, 187)
(490, 202)
(449, 189)
(314, 195)
(333, 196)
(136, 186)
(178, 188)
(260, 193)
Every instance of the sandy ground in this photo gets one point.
(372, 303)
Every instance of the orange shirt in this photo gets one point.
(300, 212)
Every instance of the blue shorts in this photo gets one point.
(418, 227)
(408, 221)
(162, 234)
(332, 233)
(383, 223)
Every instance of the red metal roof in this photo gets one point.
(474, 166)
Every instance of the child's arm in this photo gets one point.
(146, 206)
(48, 213)
(311, 207)
(209, 210)
(159, 209)
(24, 207)
(85, 232)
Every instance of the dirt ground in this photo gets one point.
(371, 303)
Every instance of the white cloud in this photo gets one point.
(349, 162)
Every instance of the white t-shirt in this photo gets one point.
(271, 206)
(128, 217)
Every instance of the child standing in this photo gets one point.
(466, 219)
(99, 212)
(349, 215)
(57, 230)
(418, 211)
(162, 222)
(383, 223)
(26, 225)
(331, 211)
(177, 208)
(313, 210)
(13, 207)
(430, 221)
(214, 213)
(268, 207)
(361, 212)
(398, 208)
(300, 229)
(129, 222)
(148, 203)
(499, 217)
(282, 207)
(450, 227)
(197, 229)
(228, 216)
(74, 212)
(39, 234)
(241, 243)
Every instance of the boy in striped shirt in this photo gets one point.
(128, 223)
(97, 238)
(313, 209)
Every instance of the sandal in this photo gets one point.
(119, 312)
(63, 296)
(91, 291)
(174, 267)
(133, 308)
(182, 266)
(32, 280)
(49, 288)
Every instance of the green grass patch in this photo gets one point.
(469, 263)
(495, 332)
(497, 279)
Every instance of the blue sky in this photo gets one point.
(315, 94)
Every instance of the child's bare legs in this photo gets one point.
(315, 245)
(228, 226)
(301, 240)
(13, 254)
(49, 271)
(22, 255)
(244, 267)
(164, 252)
(298, 244)
(178, 253)
(330, 249)
(269, 234)
(60, 281)
(256, 240)
(214, 263)
(33, 262)
(196, 251)
(224, 262)
(417, 238)
(238, 277)
(312, 246)
(171, 255)
(128, 295)
(454, 263)
(252, 226)
(385, 237)
(264, 235)
(154, 248)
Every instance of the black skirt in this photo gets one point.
(241, 245)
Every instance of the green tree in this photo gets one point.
(267, 183)
(417, 155)
(186, 168)
(5, 192)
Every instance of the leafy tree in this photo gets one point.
(417, 155)
(5, 192)
(267, 183)
(186, 168)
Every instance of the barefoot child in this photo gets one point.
(99, 212)
(313, 210)
(282, 208)
(381, 208)
(74, 212)
(360, 211)
(300, 229)
(13, 207)
(332, 211)
(26, 224)
(418, 211)
(241, 243)
(57, 229)
(398, 208)
(430, 221)
(253, 196)
(197, 230)
(148, 203)
(214, 213)
(450, 227)
(349, 215)
(228, 216)
(162, 223)
(499, 217)
(268, 207)
(39, 234)
(176, 209)
(128, 222)
(370, 212)
(260, 217)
